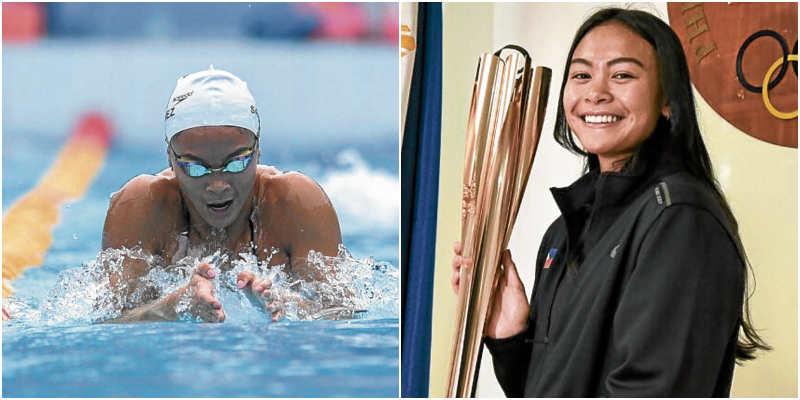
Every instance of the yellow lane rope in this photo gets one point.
(27, 224)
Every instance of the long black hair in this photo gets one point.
(676, 139)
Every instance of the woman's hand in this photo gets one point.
(458, 262)
(200, 293)
(258, 291)
(203, 304)
(509, 313)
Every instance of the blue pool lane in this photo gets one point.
(357, 358)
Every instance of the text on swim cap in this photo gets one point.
(182, 97)
(177, 101)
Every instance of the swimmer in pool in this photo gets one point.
(214, 196)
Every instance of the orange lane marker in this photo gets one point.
(27, 225)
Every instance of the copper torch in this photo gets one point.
(505, 121)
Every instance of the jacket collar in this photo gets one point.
(594, 201)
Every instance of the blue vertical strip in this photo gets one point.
(420, 195)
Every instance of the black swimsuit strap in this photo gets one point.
(251, 222)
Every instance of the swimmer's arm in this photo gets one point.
(259, 292)
(195, 298)
(123, 283)
(161, 310)
(123, 230)
(307, 220)
(125, 227)
(314, 226)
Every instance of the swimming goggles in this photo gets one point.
(196, 169)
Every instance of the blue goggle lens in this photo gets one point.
(196, 169)
(239, 164)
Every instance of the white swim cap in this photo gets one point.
(211, 98)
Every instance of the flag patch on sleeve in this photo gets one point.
(550, 256)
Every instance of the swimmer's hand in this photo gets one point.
(258, 291)
(200, 291)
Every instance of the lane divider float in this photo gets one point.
(28, 223)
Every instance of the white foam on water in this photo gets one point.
(367, 197)
(83, 295)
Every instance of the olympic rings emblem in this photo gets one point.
(767, 85)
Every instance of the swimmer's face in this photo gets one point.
(218, 197)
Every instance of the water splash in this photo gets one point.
(355, 288)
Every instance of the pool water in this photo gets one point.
(55, 348)
(357, 358)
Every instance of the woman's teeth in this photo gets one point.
(600, 119)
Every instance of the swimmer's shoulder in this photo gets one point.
(269, 185)
(297, 212)
(159, 190)
(268, 172)
(291, 186)
(143, 212)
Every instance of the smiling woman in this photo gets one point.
(613, 97)
(641, 283)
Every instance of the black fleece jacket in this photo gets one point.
(652, 305)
